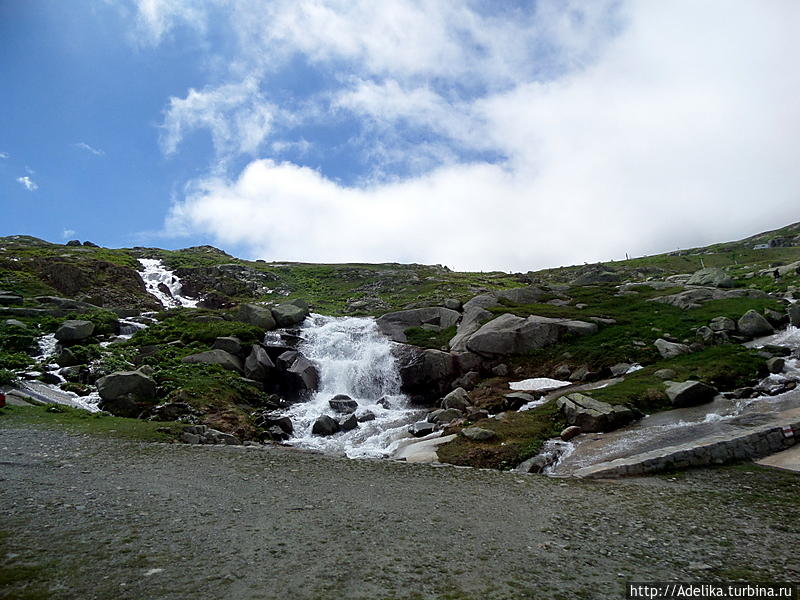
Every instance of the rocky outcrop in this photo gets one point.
(509, 334)
(794, 314)
(289, 314)
(258, 315)
(671, 349)
(695, 297)
(224, 359)
(593, 415)
(458, 399)
(70, 332)
(232, 345)
(425, 375)
(298, 376)
(752, 324)
(712, 277)
(690, 393)
(126, 393)
(258, 365)
(394, 324)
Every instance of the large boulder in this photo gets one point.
(325, 426)
(753, 324)
(257, 315)
(695, 297)
(126, 393)
(226, 360)
(425, 375)
(232, 345)
(509, 334)
(713, 277)
(690, 393)
(298, 376)
(289, 314)
(342, 403)
(394, 324)
(457, 399)
(73, 331)
(593, 415)
(671, 349)
(722, 325)
(258, 365)
(794, 314)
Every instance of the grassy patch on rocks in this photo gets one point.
(80, 421)
(520, 435)
(191, 325)
(426, 338)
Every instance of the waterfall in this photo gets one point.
(353, 358)
(155, 274)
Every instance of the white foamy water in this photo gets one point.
(47, 347)
(355, 359)
(155, 273)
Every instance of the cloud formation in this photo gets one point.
(544, 138)
(28, 183)
(87, 148)
(4, 155)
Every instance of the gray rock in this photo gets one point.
(593, 415)
(15, 323)
(665, 373)
(226, 360)
(268, 419)
(425, 374)
(257, 315)
(258, 365)
(385, 403)
(348, 423)
(366, 416)
(289, 314)
(752, 324)
(516, 400)
(189, 438)
(458, 399)
(695, 297)
(776, 318)
(509, 334)
(421, 429)
(394, 324)
(713, 277)
(670, 349)
(125, 392)
(478, 434)
(535, 464)
(620, 369)
(775, 365)
(231, 345)
(453, 304)
(706, 335)
(66, 358)
(722, 324)
(8, 299)
(562, 372)
(582, 373)
(501, 370)
(443, 416)
(300, 303)
(690, 393)
(171, 411)
(74, 331)
(213, 436)
(302, 375)
(325, 426)
(342, 403)
(794, 314)
(570, 432)
(468, 380)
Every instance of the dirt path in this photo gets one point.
(89, 517)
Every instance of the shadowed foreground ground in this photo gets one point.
(91, 517)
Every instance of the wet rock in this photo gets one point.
(74, 331)
(775, 318)
(257, 315)
(258, 365)
(516, 400)
(690, 393)
(348, 423)
(593, 415)
(267, 419)
(289, 314)
(385, 403)
(570, 432)
(775, 365)
(478, 434)
(458, 399)
(774, 350)
(299, 375)
(124, 393)
(232, 345)
(325, 426)
(50, 378)
(366, 416)
(224, 359)
(670, 349)
(753, 325)
(535, 464)
(66, 358)
(421, 429)
(342, 403)
(794, 314)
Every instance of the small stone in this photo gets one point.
(570, 432)
(478, 434)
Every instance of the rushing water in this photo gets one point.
(154, 274)
(355, 359)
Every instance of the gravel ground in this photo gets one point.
(91, 517)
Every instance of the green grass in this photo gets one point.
(80, 421)
(179, 324)
(520, 436)
(424, 338)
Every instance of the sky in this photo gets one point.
(481, 135)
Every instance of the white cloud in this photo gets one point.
(157, 17)
(68, 233)
(87, 148)
(4, 155)
(237, 115)
(682, 130)
(28, 183)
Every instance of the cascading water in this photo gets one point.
(156, 275)
(355, 359)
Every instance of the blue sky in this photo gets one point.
(530, 135)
